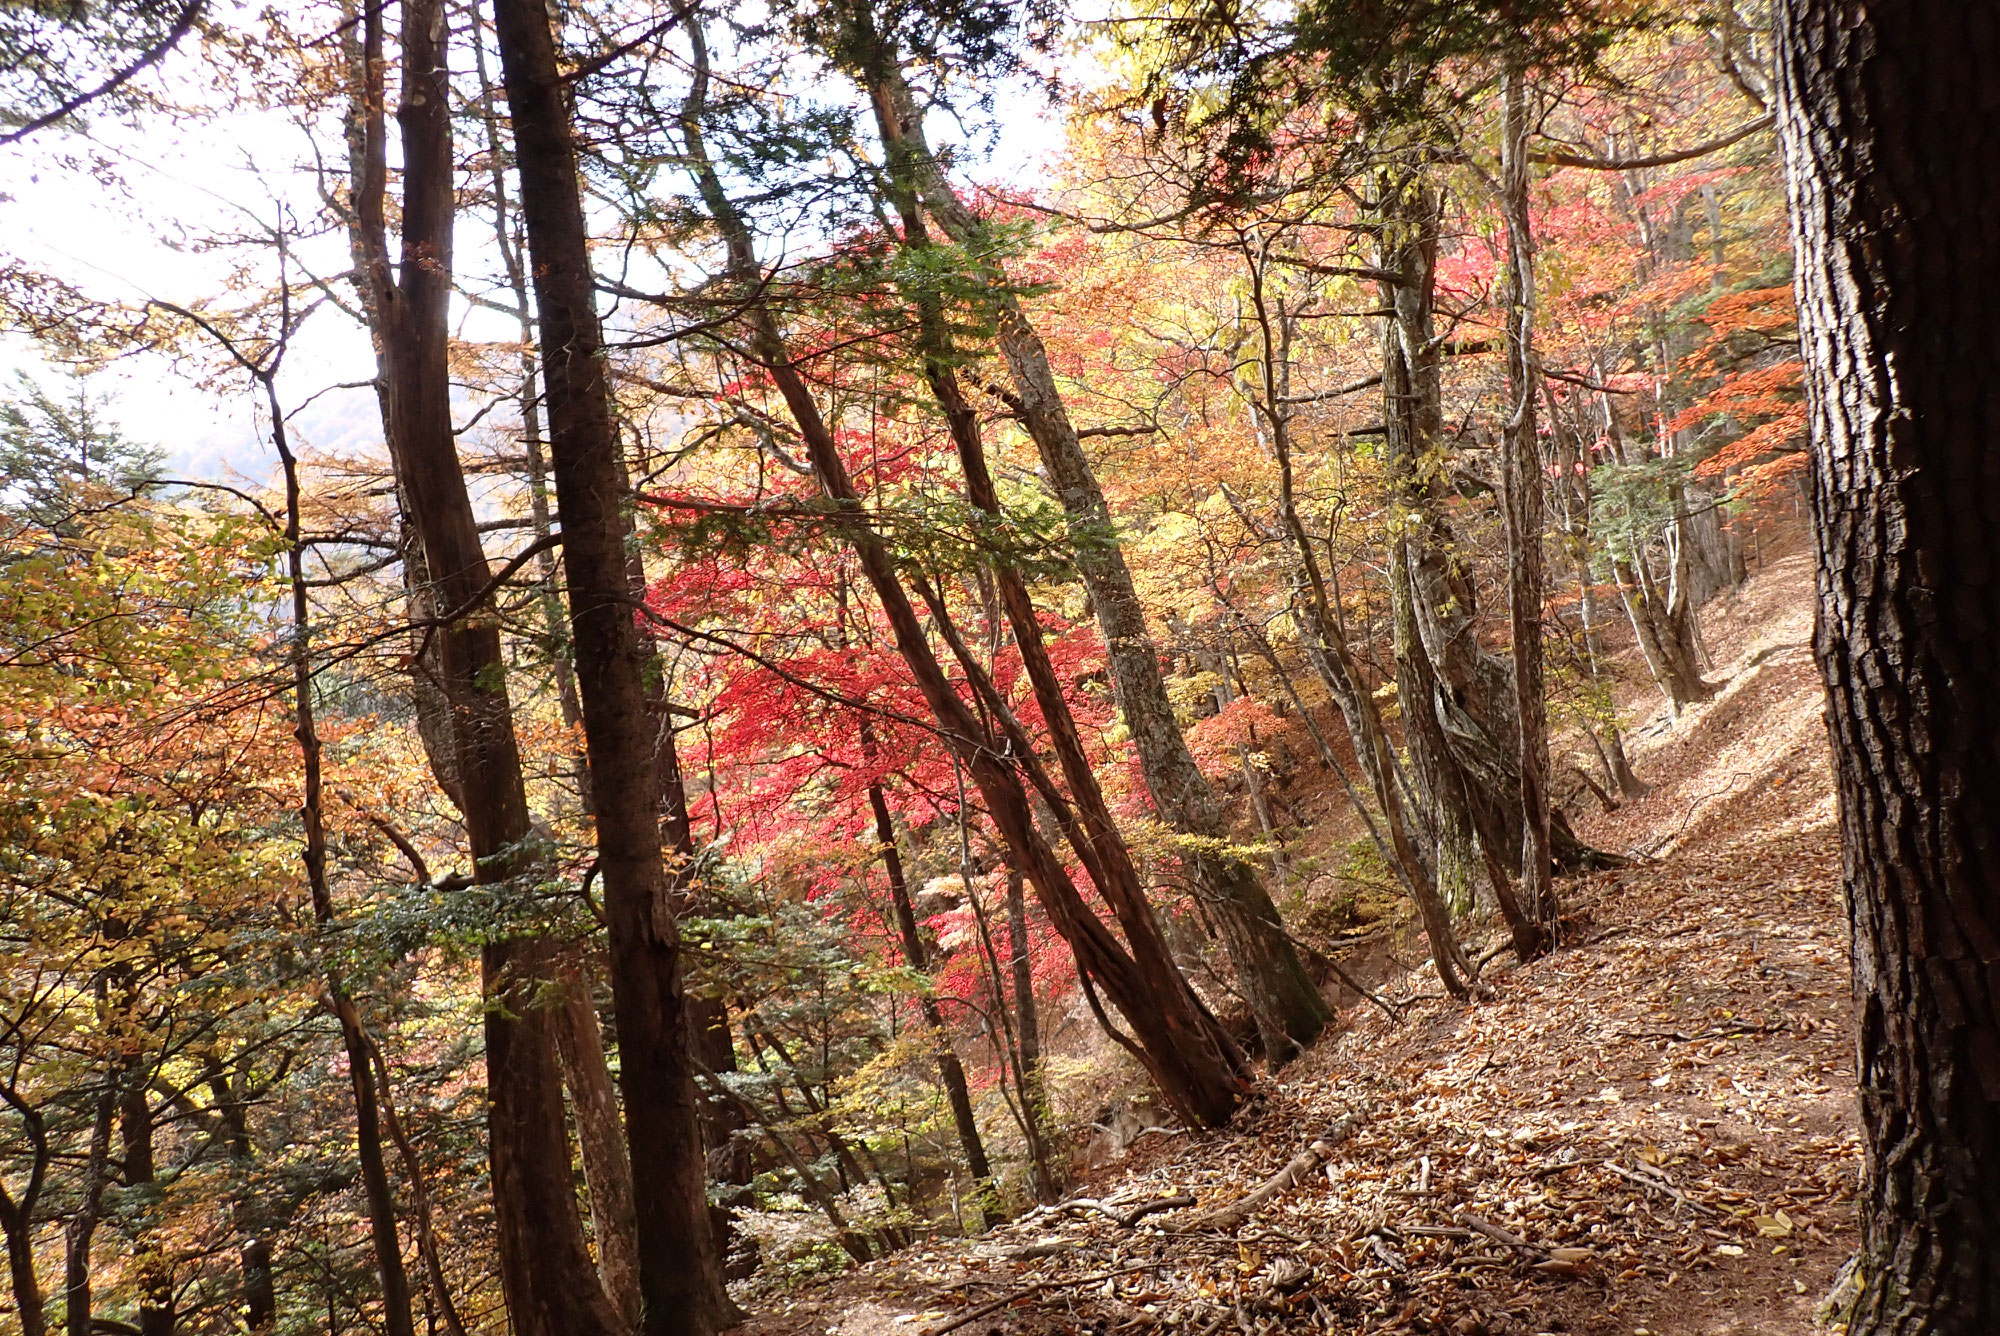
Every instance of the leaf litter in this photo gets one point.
(1648, 1132)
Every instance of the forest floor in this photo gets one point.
(1648, 1132)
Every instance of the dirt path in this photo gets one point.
(1660, 1113)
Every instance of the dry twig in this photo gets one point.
(1302, 1164)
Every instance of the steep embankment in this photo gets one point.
(1648, 1132)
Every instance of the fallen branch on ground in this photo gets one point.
(1664, 1189)
(1124, 1219)
(1730, 1031)
(964, 1319)
(1505, 1238)
(1550, 1261)
(1305, 1162)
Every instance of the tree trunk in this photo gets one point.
(17, 1214)
(680, 1274)
(1884, 105)
(153, 1271)
(600, 1136)
(1108, 855)
(260, 1296)
(545, 1266)
(1189, 1055)
(1430, 598)
(1333, 656)
(1535, 922)
(586, 1072)
(1035, 1112)
(1288, 1007)
(556, 640)
(1573, 502)
(82, 1226)
(1666, 641)
(1458, 700)
(26, 1286)
(376, 1189)
(950, 1071)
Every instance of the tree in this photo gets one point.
(680, 1275)
(1193, 1060)
(1287, 1006)
(62, 59)
(61, 456)
(551, 1285)
(1535, 918)
(1883, 104)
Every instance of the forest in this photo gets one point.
(909, 666)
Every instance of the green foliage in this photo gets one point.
(1631, 503)
(61, 456)
(53, 50)
(927, 532)
(1248, 79)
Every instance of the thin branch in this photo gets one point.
(151, 56)
(1558, 158)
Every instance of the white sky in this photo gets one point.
(144, 240)
(141, 221)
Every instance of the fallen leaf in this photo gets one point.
(1774, 1226)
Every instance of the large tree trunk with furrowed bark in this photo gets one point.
(1885, 107)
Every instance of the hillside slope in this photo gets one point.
(1648, 1132)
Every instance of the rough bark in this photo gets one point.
(1288, 1007)
(680, 1274)
(1534, 922)
(1884, 106)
